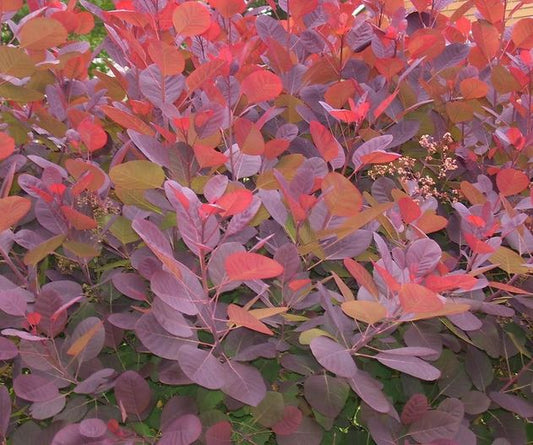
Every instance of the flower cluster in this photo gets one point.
(426, 176)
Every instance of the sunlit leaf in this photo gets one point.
(261, 85)
(15, 62)
(137, 175)
(39, 252)
(522, 33)
(473, 88)
(367, 311)
(509, 261)
(242, 266)
(42, 33)
(324, 141)
(191, 19)
(511, 181)
(241, 317)
(415, 298)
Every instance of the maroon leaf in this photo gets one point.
(308, 433)
(292, 418)
(13, 302)
(219, 434)
(170, 319)
(369, 390)
(133, 393)
(34, 388)
(434, 425)
(334, 357)
(130, 284)
(156, 339)
(88, 338)
(173, 292)
(414, 409)
(47, 409)
(5, 410)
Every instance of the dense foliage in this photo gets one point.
(300, 223)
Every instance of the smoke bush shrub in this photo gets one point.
(302, 222)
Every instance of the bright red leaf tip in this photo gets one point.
(241, 266)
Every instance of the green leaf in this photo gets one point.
(270, 410)
(19, 94)
(39, 252)
(137, 175)
(15, 62)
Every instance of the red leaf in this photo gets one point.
(241, 317)
(473, 88)
(414, 409)
(476, 244)
(235, 202)
(7, 145)
(325, 142)
(242, 266)
(459, 281)
(260, 86)
(228, 8)
(12, 209)
(219, 434)
(290, 422)
(78, 220)
(385, 104)
(416, 299)
(409, 209)
(362, 276)
(92, 135)
(191, 19)
(511, 181)
(379, 157)
(248, 137)
(126, 120)
(429, 222)
(167, 57)
(275, 147)
(522, 34)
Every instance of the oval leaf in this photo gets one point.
(191, 19)
(241, 266)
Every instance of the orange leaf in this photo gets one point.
(447, 309)
(249, 137)
(7, 145)
(338, 93)
(208, 156)
(241, 266)
(362, 276)
(275, 147)
(508, 288)
(522, 33)
(261, 85)
(458, 281)
(487, 38)
(235, 202)
(409, 209)
(203, 73)
(385, 104)
(416, 299)
(379, 157)
(228, 8)
(86, 22)
(340, 195)
(78, 220)
(511, 181)
(10, 5)
(127, 120)
(167, 57)
(78, 168)
(92, 135)
(366, 311)
(81, 343)
(325, 142)
(241, 317)
(42, 33)
(267, 312)
(12, 209)
(191, 19)
(429, 222)
(473, 88)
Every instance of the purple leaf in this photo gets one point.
(402, 132)
(48, 302)
(182, 431)
(170, 319)
(479, 368)
(131, 285)
(409, 365)
(96, 341)
(177, 406)
(243, 165)
(154, 150)
(13, 301)
(412, 351)
(513, 403)
(369, 390)
(22, 334)
(434, 425)
(124, 320)
(308, 433)
(160, 89)
(475, 402)
(34, 388)
(290, 422)
(334, 357)
(326, 394)
(375, 144)
(93, 428)
(422, 256)
(47, 409)
(170, 373)
(173, 293)
(202, 367)
(97, 382)
(7, 349)
(156, 339)
(244, 383)
(216, 267)
(5, 410)
(133, 393)
(219, 434)
(69, 435)
(466, 321)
